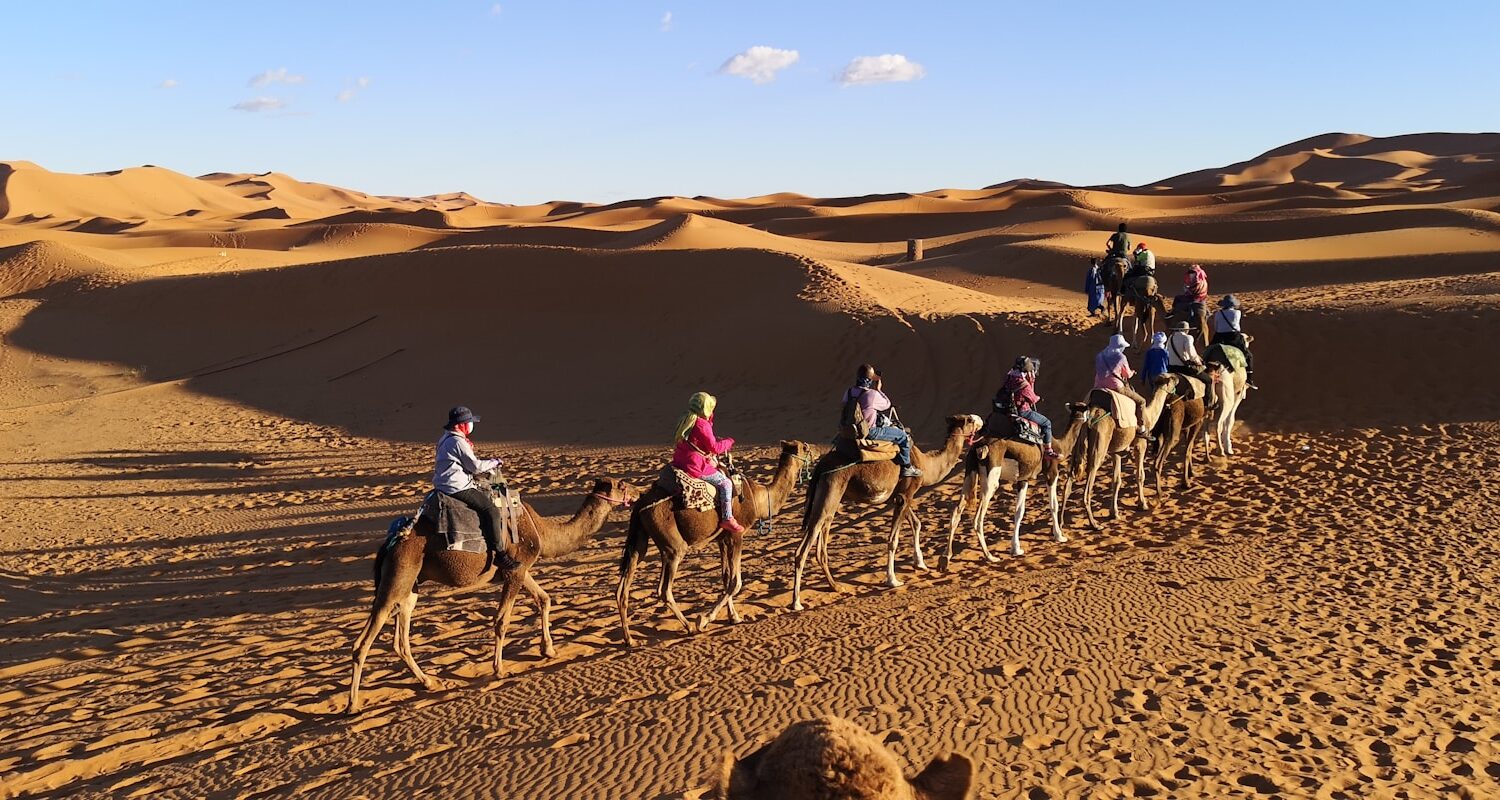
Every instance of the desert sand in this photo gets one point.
(216, 392)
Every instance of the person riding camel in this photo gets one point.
(1226, 325)
(1118, 245)
(1182, 351)
(1157, 358)
(880, 416)
(453, 475)
(1194, 291)
(1143, 265)
(696, 452)
(1112, 371)
(1093, 287)
(1018, 397)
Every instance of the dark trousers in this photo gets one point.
(489, 514)
(1234, 339)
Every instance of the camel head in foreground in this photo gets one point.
(830, 757)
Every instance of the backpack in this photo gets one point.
(852, 423)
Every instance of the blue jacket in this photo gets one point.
(1156, 363)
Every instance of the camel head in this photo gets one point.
(802, 450)
(833, 757)
(616, 491)
(965, 424)
(1077, 410)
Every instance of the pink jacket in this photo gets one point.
(1195, 285)
(1022, 393)
(695, 453)
(1111, 370)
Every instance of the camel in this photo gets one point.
(830, 757)
(1197, 323)
(1113, 272)
(1148, 310)
(985, 469)
(1104, 438)
(677, 532)
(1179, 421)
(420, 556)
(875, 482)
(1231, 386)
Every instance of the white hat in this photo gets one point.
(1117, 342)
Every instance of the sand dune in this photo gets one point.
(215, 392)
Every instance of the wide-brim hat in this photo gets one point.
(458, 415)
(1179, 325)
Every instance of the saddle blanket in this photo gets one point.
(1192, 387)
(1122, 407)
(690, 493)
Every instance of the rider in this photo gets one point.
(1119, 244)
(696, 453)
(1182, 351)
(1112, 371)
(453, 475)
(1018, 396)
(1194, 290)
(880, 416)
(1157, 359)
(1093, 286)
(1142, 266)
(1226, 324)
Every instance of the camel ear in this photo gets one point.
(948, 777)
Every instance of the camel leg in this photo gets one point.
(544, 607)
(502, 619)
(800, 561)
(737, 558)
(1115, 503)
(387, 598)
(1140, 476)
(892, 542)
(1052, 505)
(956, 518)
(1088, 494)
(670, 562)
(403, 640)
(726, 575)
(1015, 531)
(823, 536)
(982, 516)
(622, 592)
(916, 540)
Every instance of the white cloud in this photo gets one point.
(760, 63)
(349, 93)
(666, 22)
(495, 10)
(281, 75)
(259, 104)
(169, 83)
(889, 68)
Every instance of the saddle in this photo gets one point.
(1002, 425)
(1119, 406)
(858, 451)
(1191, 387)
(459, 524)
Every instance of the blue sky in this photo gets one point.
(527, 101)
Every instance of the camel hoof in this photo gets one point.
(736, 618)
(1016, 551)
(921, 566)
(1059, 538)
(703, 623)
(797, 606)
(549, 652)
(894, 582)
(993, 559)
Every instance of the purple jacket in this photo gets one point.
(871, 403)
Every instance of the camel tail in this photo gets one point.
(379, 567)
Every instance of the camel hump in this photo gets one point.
(1119, 406)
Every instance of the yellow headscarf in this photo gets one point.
(700, 404)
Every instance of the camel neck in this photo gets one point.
(936, 466)
(560, 538)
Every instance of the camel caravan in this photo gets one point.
(473, 530)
